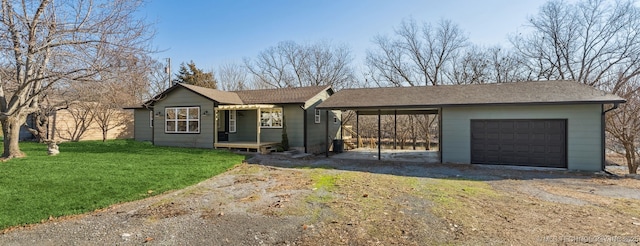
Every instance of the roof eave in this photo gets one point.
(467, 105)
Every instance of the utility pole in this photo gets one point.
(167, 70)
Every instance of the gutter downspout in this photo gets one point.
(153, 126)
(304, 130)
(603, 126)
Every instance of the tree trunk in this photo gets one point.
(39, 127)
(104, 136)
(11, 130)
(630, 156)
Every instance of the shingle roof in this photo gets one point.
(222, 97)
(540, 92)
(265, 96)
(281, 95)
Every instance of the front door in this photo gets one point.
(223, 126)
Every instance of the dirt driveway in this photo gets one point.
(280, 201)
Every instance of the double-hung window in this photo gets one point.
(151, 118)
(271, 118)
(317, 118)
(182, 120)
(232, 121)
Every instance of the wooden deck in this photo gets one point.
(263, 147)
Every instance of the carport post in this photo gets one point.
(395, 128)
(379, 138)
(439, 134)
(357, 130)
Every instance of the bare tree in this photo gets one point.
(417, 55)
(106, 108)
(473, 67)
(40, 123)
(293, 65)
(232, 77)
(595, 42)
(479, 65)
(157, 79)
(48, 43)
(81, 118)
(424, 55)
(625, 124)
(505, 65)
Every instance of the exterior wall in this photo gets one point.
(181, 97)
(246, 124)
(584, 148)
(294, 117)
(67, 127)
(143, 130)
(316, 132)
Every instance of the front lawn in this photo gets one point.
(90, 175)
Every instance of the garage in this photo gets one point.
(521, 142)
(558, 124)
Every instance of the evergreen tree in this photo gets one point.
(190, 74)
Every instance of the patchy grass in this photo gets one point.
(454, 201)
(323, 185)
(446, 193)
(91, 175)
(326, 182)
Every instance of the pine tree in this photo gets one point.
(190, 74)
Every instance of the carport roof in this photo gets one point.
(532, 92)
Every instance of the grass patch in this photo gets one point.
(458, 200)
(326, 182)
(323, 185)
(449, 193)
(90, 175)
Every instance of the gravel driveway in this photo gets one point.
(282, 201)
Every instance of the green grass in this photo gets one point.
(91, 175)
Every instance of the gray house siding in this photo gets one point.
(295, 125)
(294, 116)
(583, 135)
(246, 126)
(181, 97)
(142, 130)
(316, 131)
(295, 131)
(246, 120)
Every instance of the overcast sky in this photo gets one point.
(212, 32)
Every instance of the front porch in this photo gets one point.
(261, 147)
(245, 123)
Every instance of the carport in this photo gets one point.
(542, 124)
(395, 112)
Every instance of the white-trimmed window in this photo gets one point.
(232, 121)
(182, 120)
(271, 118)
(151, 118)
(317, 118)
